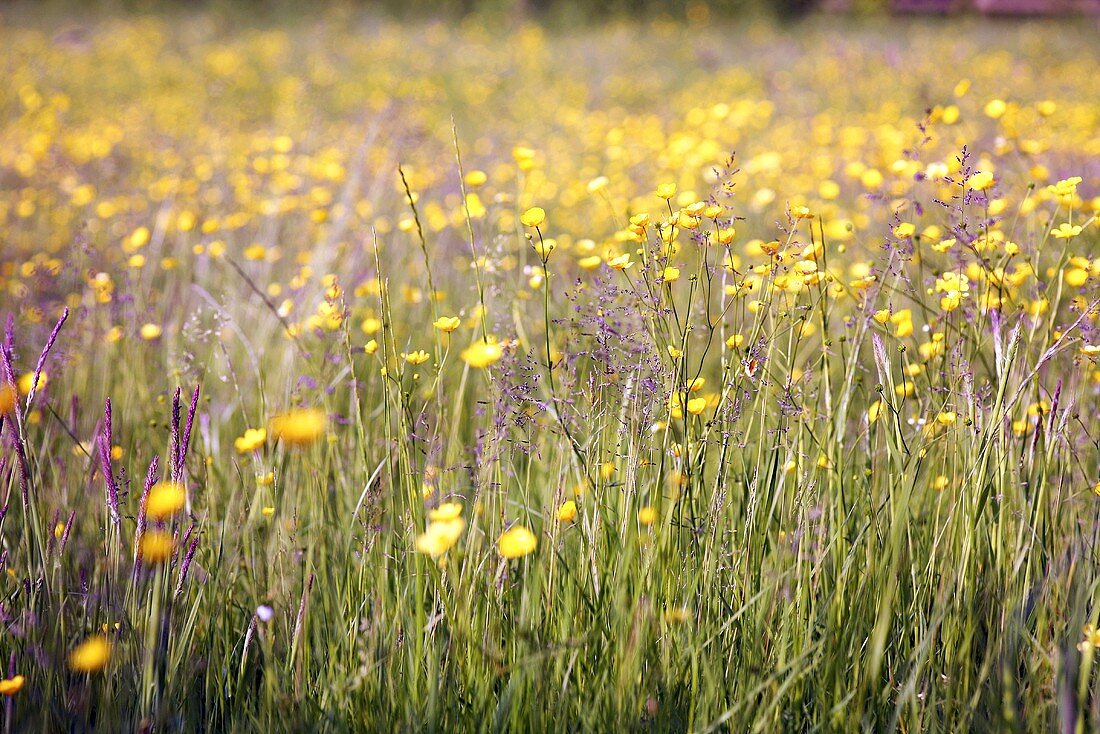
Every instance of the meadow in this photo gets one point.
(658, 374)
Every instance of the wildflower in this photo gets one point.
(476, 178)
(11, 686)
(517, 542)
(440, 536)
(165, 499)
(955, 287)
(980, 181)
(696, 406)
(666, 191)
(568, 511)
(995, 108)
(156, 547)
(533, 217)
(267, 511)
(90, 656)
(299, 427)
(671, 274)
(151, 332)
(446, 511)
(1065, 188)
(417, 357)
(1066, 231)
(371, 347)
(944, 245)
(252, 439)
(26, 382)
(8, 399)
(735, 341)
(1092, 639)
(647, 515)
(446, 324)
(481, 354)
(904, 230)
(620, 262)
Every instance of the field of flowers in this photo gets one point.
(480, 375)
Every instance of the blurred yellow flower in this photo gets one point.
(440, 536)
(12, 686)
(481, 354)
(517, 542)
(149, 332)
(299, 427)
(156, 547)
(980, 181)
(165, 500)
(90, 656)
(252, 439)
(8, 399)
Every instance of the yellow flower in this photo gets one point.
(252, 439)
(11, 686)
(904, 230)
(995, 108)
(417, 357)
(476, 178)
(533, 217)
(671, 274)
(666, 190)
(695, 406)
(446, 511)
(440, 536)
(26, 382)
(165, 499)
(620, 262)
(980, 181)
(647, 515)
(481, 354)
(299, 427)
(149, 332)
(568, 511)
(1066, 231)
(517, 542)
(8, 399)
(90, 656)
(371, 347)
(446, 324)
(156, 547)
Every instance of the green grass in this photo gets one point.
(810, 565)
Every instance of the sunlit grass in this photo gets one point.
(653, 376)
